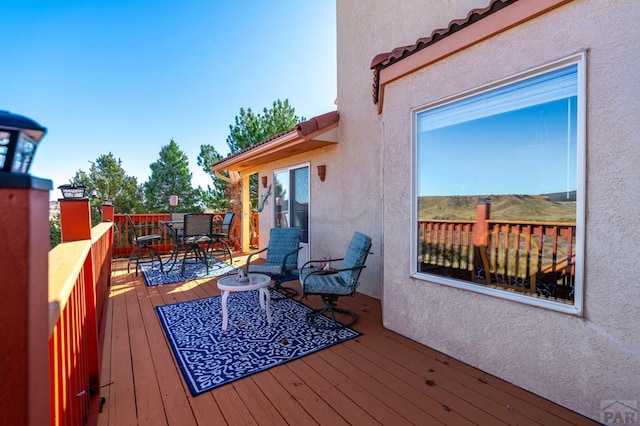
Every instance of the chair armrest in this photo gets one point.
(312, 262)
(246, 266)
(284, 261)
(331, 271)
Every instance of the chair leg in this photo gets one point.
(138, 252)
(199, 255)
(225, 249)
(288, 292)
(330, 308)
(134, 254)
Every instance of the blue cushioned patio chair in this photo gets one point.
(282, 257)
(332, 283)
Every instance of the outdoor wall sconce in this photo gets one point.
(264, 181)
(322, 172)
(73, 192)
(19, 138)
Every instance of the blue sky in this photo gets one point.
(127, 76)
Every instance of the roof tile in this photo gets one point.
(383, 60)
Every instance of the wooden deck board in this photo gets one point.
(148, 400)
(105, 372)
(443, 406)
(262, 410)
(377, 378)
(302, 393)
(461, 378)
(341, 404)
(173, 389)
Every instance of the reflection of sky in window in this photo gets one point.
(281, 182)
(302, 185)
(517, 152)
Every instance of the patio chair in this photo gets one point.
(330, 284)
(141, 244)
(222, 238)
(282, 257)
(177, 220)
(196, 238)
(174, 227)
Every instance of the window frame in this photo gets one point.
(576, 308)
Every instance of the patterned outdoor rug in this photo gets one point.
(209, 357)
(153, 275)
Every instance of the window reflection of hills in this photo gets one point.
(552, 207)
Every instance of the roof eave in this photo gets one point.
(298, 140)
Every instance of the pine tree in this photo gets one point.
(107, 180)
(248, 130)
(170, 175)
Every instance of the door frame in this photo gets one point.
(304, 254)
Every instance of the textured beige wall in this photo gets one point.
(354, 201)
(576, 362)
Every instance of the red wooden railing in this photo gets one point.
(79, 279)
(150, 224)
(146, 224)
(531, 257)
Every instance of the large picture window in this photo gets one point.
(499, 188)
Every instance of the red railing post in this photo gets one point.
(24, 313)
(75, 220)
(481, 227)
(107, 212)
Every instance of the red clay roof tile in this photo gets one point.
(383, 60)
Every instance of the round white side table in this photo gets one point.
(258, 282)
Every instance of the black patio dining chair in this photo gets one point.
(330, 284)
(141, 244)
(220, 239)
(282, 257)
(177, 221)
(196, 238)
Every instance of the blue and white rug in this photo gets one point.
(209, 357)
(153, 275)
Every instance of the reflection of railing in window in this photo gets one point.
(282, 213)
(536, 258)
(301, 220)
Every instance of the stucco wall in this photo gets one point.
(577, 362)
(347, 201)
(354, 200)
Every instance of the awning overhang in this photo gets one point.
(306, 136)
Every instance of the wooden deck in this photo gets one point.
(377, 378)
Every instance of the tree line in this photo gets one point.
(106, 179)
